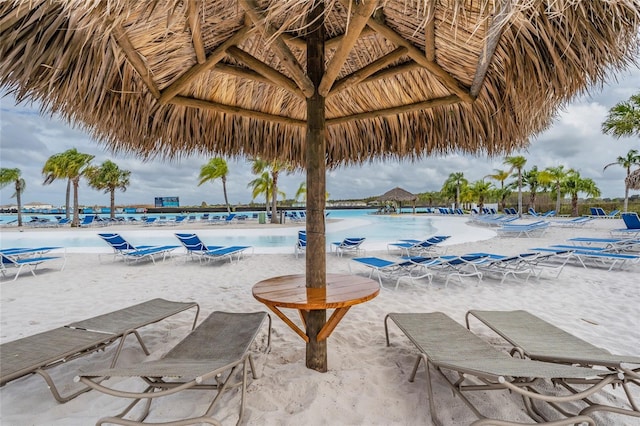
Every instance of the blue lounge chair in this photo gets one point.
(632, 221)
(129, 252)
(87, 221)
(195, 247)
(414, 247)
(386, 268)
(19, 260)
(533, 213)
(301, 243)
(574, 222)
(529, 230)
(351, 244)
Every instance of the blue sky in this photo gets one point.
(575, 140)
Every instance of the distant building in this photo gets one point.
(167, 201)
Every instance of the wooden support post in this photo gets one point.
(316, 266)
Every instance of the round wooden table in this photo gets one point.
(289, 291)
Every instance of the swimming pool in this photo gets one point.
(379, 230)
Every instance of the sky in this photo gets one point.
(574, 140)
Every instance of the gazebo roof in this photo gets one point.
(397, 194)
(228, 77)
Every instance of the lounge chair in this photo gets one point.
(196, 248)
(443, 344)
(301, 243)
(38, 353)
(535, 338)
(574, 222)
(533, 213)
(130, 253)
(632, 221)
(415, 247)
(87, 221)
(389, 269)
(207, 359)
(30, 257)
(348, 245)
(534, 229)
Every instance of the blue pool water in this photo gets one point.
(377, 229)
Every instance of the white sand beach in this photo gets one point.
(367, 382)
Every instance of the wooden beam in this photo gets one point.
(215, 57)
(365, 72)
(417, 55)
(196, 31)
(361, 14)
(135, 60)
(280, 48)
(430, 33)
(491, 43)
(276, 77)
(431, 103)
(230, 109)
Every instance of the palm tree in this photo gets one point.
(263, 185)
(631, 159)
(109, 177)
(624, 118)
(517, 162)
(13, 176)
(530, 178)
(75, 167)
(574, 184)
(501, 176)
(302, 191)
(479, 190)
(55, 168)
(554, 177)
(454, 183)
(214, 169)
(259, 166)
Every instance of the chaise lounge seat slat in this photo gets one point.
(213, 350)
(40, 352)
(444, 344)
(537, 339)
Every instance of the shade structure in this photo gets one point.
(400, 195)
(310, 82)
(633, 180)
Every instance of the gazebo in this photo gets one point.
(313, 83)
(399, 195)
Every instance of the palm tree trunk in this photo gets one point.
(574, 205)
(519, 192)
(558, 200)
(274, 198)
(112, 213)
(626, 197)
(19, 202)
(224, 190)
(67, 206)
(76, 207)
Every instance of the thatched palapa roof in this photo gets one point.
(633, 180)
(397, 194)
(229, 77)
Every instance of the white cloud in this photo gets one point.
(574, 140)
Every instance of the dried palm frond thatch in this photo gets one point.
(229, 77)
(633, 180)
(398, 194)
(312, 82)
